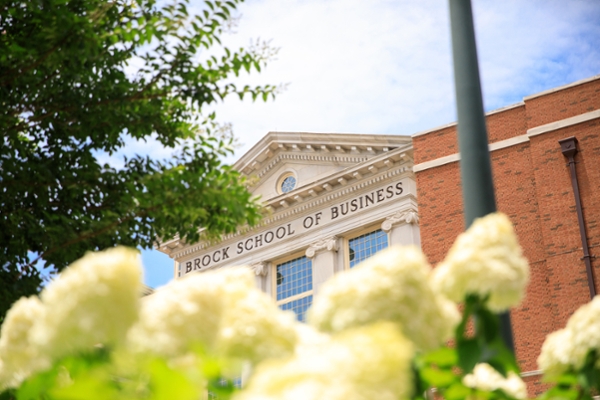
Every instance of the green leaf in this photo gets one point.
(498, 356)
(469, 354)
(95, 384)
(487, 324)
(168, 384)
(437, 377)
(566, 379)
(561, 393)
(443, 357)
(127, 73)
(457, 391)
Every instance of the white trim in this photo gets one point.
(535, 372)
(296, 210)
(322, 143)
(439, 128)
(437, 162)
(496, 111)
(502, 144)
(287, 174)
(581, 82)
(563, 123)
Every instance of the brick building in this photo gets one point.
(534, 188)
(336, 199)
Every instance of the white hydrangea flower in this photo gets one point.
(584, 325)
(567, 348)
(18, 357)
(556, 356)
(309, 338)
(485, 377)
(185, 313)
(254, 328)
(485, 260)
(393, 285)
(370, 362)
(220, 311)
(94, 301)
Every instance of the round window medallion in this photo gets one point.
(288, 183)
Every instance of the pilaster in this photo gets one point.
(323, 254)
(261, 272)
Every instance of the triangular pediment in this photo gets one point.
(327, 167)
(309, 158)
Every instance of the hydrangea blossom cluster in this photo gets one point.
(485, 377)
(485, 260)
(364, 324)
(397, 276)
(18, 358)
(220, 311)
(94, 301)
(253, 328)
(566, 349)
(370, 362)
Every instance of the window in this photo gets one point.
(286, 183)
(294, 287)
(364, 246)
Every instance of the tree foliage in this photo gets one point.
(82, 79)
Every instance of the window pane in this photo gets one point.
(299, 306)
(294, 277)
(364, 246)
(288, 184)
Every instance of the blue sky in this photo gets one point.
(385, 67)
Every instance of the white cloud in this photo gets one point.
(385, 67)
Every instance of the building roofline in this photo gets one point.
(314, 139)
(519, 104)
(563, 87)
(487, 114)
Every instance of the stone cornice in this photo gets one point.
(300, 208)
(311, 158)
(370, 159)
(369, 168)
(334, 147)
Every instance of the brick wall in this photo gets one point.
(533, 187)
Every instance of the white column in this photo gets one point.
(403, 228)
(324, 260)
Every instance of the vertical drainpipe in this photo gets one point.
(569, 149)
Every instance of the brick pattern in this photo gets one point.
(435, 145)
(533, 187)
(563, 104)
(506, 124)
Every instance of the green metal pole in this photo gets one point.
(475, 165)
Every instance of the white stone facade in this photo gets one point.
(346, 185)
